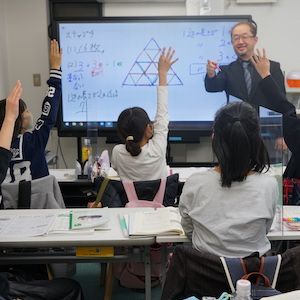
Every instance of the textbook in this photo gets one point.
(87, 218)
(162, 221)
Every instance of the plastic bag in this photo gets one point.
(101, 166)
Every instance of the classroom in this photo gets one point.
(22, 33)
(24, 56)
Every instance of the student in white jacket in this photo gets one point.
(142, 156)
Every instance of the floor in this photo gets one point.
(88, 275)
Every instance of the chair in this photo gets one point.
(193, 273)
(114, 193)
(39, 193)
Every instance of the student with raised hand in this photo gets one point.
(142, 156)
(228, 210)
(28, 148)
(11, 114)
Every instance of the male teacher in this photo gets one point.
(240, 79)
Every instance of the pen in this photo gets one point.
(123, 225)
(217, 67)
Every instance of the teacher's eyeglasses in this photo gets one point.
(244, 38)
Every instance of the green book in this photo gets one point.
(91, 217)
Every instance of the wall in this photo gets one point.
(24, 51)
(3, 53)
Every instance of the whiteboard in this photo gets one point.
(112, 65)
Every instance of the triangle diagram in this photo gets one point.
(144, 71)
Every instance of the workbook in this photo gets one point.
(162, 221)
(26, 225)
(88, 218)
(64, 221)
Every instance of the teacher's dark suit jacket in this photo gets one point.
(290, 123)
(231, 80)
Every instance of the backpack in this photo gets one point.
(132, 274)
(291, 191)
(263, 281)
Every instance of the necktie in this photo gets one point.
(247, 75)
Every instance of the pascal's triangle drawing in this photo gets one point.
(145, 69)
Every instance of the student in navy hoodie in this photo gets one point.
(28, 147)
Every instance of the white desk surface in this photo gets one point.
(115, 236)
(69, 175)
(283, 232)
(112, 237)
(63, 174)
(185, 173)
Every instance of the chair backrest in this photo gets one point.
(44, 193)
(192, 272)
(235, 269)
(115, 195)
(134, 201)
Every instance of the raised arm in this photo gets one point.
(164, 64)
(11, 114)
(55, 55)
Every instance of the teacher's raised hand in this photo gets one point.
(261, 63)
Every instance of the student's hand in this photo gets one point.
(280, 144)
(91, 204)
(261, 63)
(211, 68)
(164, 64)
(55, 55)
(11, 114)
(12, 103)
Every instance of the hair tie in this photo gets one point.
(129, 138)
(236, 119)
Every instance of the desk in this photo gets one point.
(113, 237)
(76, 192)
(283, 234)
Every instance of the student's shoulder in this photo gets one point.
(119, 148)
(202, 176)
(266, 178)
